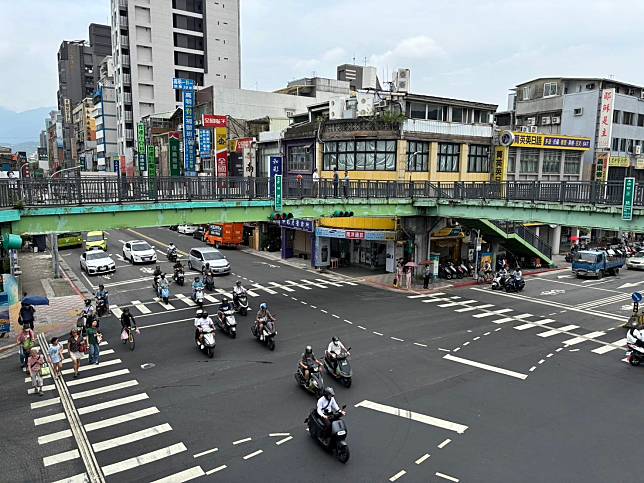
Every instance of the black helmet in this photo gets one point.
(101, 286)
(308, 350)
(334, 339)
(88, 302)
(126, 310)
(204, 314)
(238, 283)
(196, 279)
(329, 392)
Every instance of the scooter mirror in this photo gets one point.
(344, 406)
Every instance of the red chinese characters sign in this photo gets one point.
(222, 164)
(354, 235)
(210, 120)
(605, 134)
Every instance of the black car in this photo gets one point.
(199, 233)
(173, 227)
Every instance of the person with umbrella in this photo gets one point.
(409, 266)
(26, 317)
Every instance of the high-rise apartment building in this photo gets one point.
(105, 116)
(154, 41)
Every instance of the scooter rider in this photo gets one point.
(327, 404)
(221, 312)
(262, 314)
(635, 336)
(178, 266)
(307, 362)
(195, 286)
(172, 250)
(101, 294)
(157, 271)
(238, 290)
(202, 322)
(336, 349)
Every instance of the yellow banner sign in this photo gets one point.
(221, 138)
(500, 164)
(619, 162)
(547, 141)
(639, 163)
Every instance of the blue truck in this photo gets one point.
(597, 263)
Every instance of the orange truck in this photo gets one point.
(225, 234)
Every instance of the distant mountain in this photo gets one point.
(22, 128)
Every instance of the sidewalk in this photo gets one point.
(65, 298)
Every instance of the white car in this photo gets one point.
(139, 251)
(636, 261)
(186, 229)
(96, 262)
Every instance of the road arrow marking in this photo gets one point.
(629, 285)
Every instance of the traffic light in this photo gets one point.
(341, 214)
(280, 216)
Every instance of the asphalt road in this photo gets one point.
(463, 385)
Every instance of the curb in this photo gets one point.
(75, 282)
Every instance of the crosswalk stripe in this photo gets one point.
(165, 306)
(45, 403)
(116, 311)
(82, 478)
(525, 326)
(420, 296)
(265, 289)
(88, 367)
(583, 338)
(60, 457)
(460, 302)
(124, 418)
(224, 293)
(108, 404)
(618, 344)
(211, 298)
(531, 324)
(98, 377)
(502, 321)
(335, 284)
(295, 284)
(105, 352)
(143, 459)
(132, 437)
(559, 330)
(183, 476)
(104, 389)
(186, 300)
(251, 293)
(49, 419)
(57, 436)
(311, 282)
(492, 313)
(435, 299)
(469, 309)
(522, 316)
(283, 287)
(140, 307)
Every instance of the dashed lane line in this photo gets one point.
(253, 454)
(447, 477)
(282, 441)
(422, 459)
(215, 470)
(398, 475)
(240, 441)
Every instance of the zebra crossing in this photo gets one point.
(254, 290)
(522, 322)
(116, 417)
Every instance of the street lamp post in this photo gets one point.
(63, 170)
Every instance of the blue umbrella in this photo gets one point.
(35, 300)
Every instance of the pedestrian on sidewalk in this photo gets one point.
(316, 183)
(34, 363)
(92, 343)
(399, 273)
(345, 183)
(427, 275)
(74, 349)
(336, 182)
(26, 317)
(409, 275)
(25, 341)
(56, 355)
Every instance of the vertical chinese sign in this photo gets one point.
(604, 137)
(152, 170)
(174, 153)
(140, 142)
(187, 86)
(627, 200)
(500, 164)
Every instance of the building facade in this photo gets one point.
(104, 101)
(84, 145)
(154, 42)
(573, 107)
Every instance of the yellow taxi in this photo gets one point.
(95, 239)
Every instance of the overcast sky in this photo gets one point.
(470, 49)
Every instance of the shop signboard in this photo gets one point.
(116, 167)
(222, 164)
(152, 163)
(295, 224)
(546, 141)
(627, 200)
(278, 192)
(619, 162)
(221, 139)
(601, 168)
(140, 141)
(189, 132)
(205, 143)
(174, 151)
(500, 164)
(183, 84)
(369, 235)
(213, 121)
(604, 136)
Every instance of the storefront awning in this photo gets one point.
(359, 223)
(449, 232)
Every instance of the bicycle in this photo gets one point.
(131, 340)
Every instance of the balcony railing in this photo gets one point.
(447, 128)
(80, 191)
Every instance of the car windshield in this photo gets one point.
(213, 256)
(639, 255)
(586, 257)
(93, 238)
(97, 255)
(140, 247)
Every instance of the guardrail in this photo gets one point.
(79, 191)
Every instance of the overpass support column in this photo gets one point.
(556, 240)
(55, 265)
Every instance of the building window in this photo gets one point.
(448, 157)
(189, 60)
(526, 93)
(551, 162)
(628, 118)
(187, 23)
(188, 41)
(369, 155)
(480, 117)
(185, 74)
(549, 89)
(417, 156)
(529, 161)
(640, 120)
(622, 145)
(617, 116)
(512, 160)
(417, 110)
(478, 159)
(195, 6)
(434, 112)
(458, 114)
(572, 162)
(300, 159)
(578, 111)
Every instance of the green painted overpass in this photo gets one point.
(53, 219)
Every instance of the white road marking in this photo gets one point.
(60, 457)
(82, 478)
(45, 403)
(240, 441)
(104, 389)
(303, 302)
(132, 437)
(57, 436)
(525, 326)
(618, 344)
(324, 311)
(265, 289)
(204, 453)
(143, 459)
(398, 475)
(420, 296)
(502, 321)
(573, 350)
(466, 343)
(377, 333)
(315, 284)
(457, 349)
(274, 435)
(295, 284)
(251, 293)
(215, 470)
(532, 369)
(558, 330)
(478, 307)
(85, 368)
(224, 293)
(421, 418)
(361, 327)
(550, 355)
(490, 314)
(486, 367)
(98, 377)
(348, 321)
(434, 299)
(124, 418)
(422, 459)
(165, 306)
(541, 361)
(476, 338)
(396, 338)
(116, 311)
(444, 443)
(461, 302)
(92, 408)
(282, 441)
(182, 476)
(329, 282)
(559, 349)
(487, 333)
(335, 316)
(253, 454)
(419, 344)
(447, 477)
(186, 300)
(583, 338)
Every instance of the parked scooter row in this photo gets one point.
(450, 270)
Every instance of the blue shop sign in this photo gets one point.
(294, 224)
(276, 165)
(183, 84)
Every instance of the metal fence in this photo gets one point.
(78, 191)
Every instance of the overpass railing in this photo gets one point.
(78, 191)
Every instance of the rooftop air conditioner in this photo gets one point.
(364, 104)
(402, 80)
(556, 120)
(545, 120)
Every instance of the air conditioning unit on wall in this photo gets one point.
(545, 121)
(556, 120)
(531, 121)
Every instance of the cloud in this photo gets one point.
(420, 47)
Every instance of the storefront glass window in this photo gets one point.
(417, 156)
(370, 155)
(300, 159)
(448, 157)
(551, 162)
(572, 162)
(512, 160)
(529, 160)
